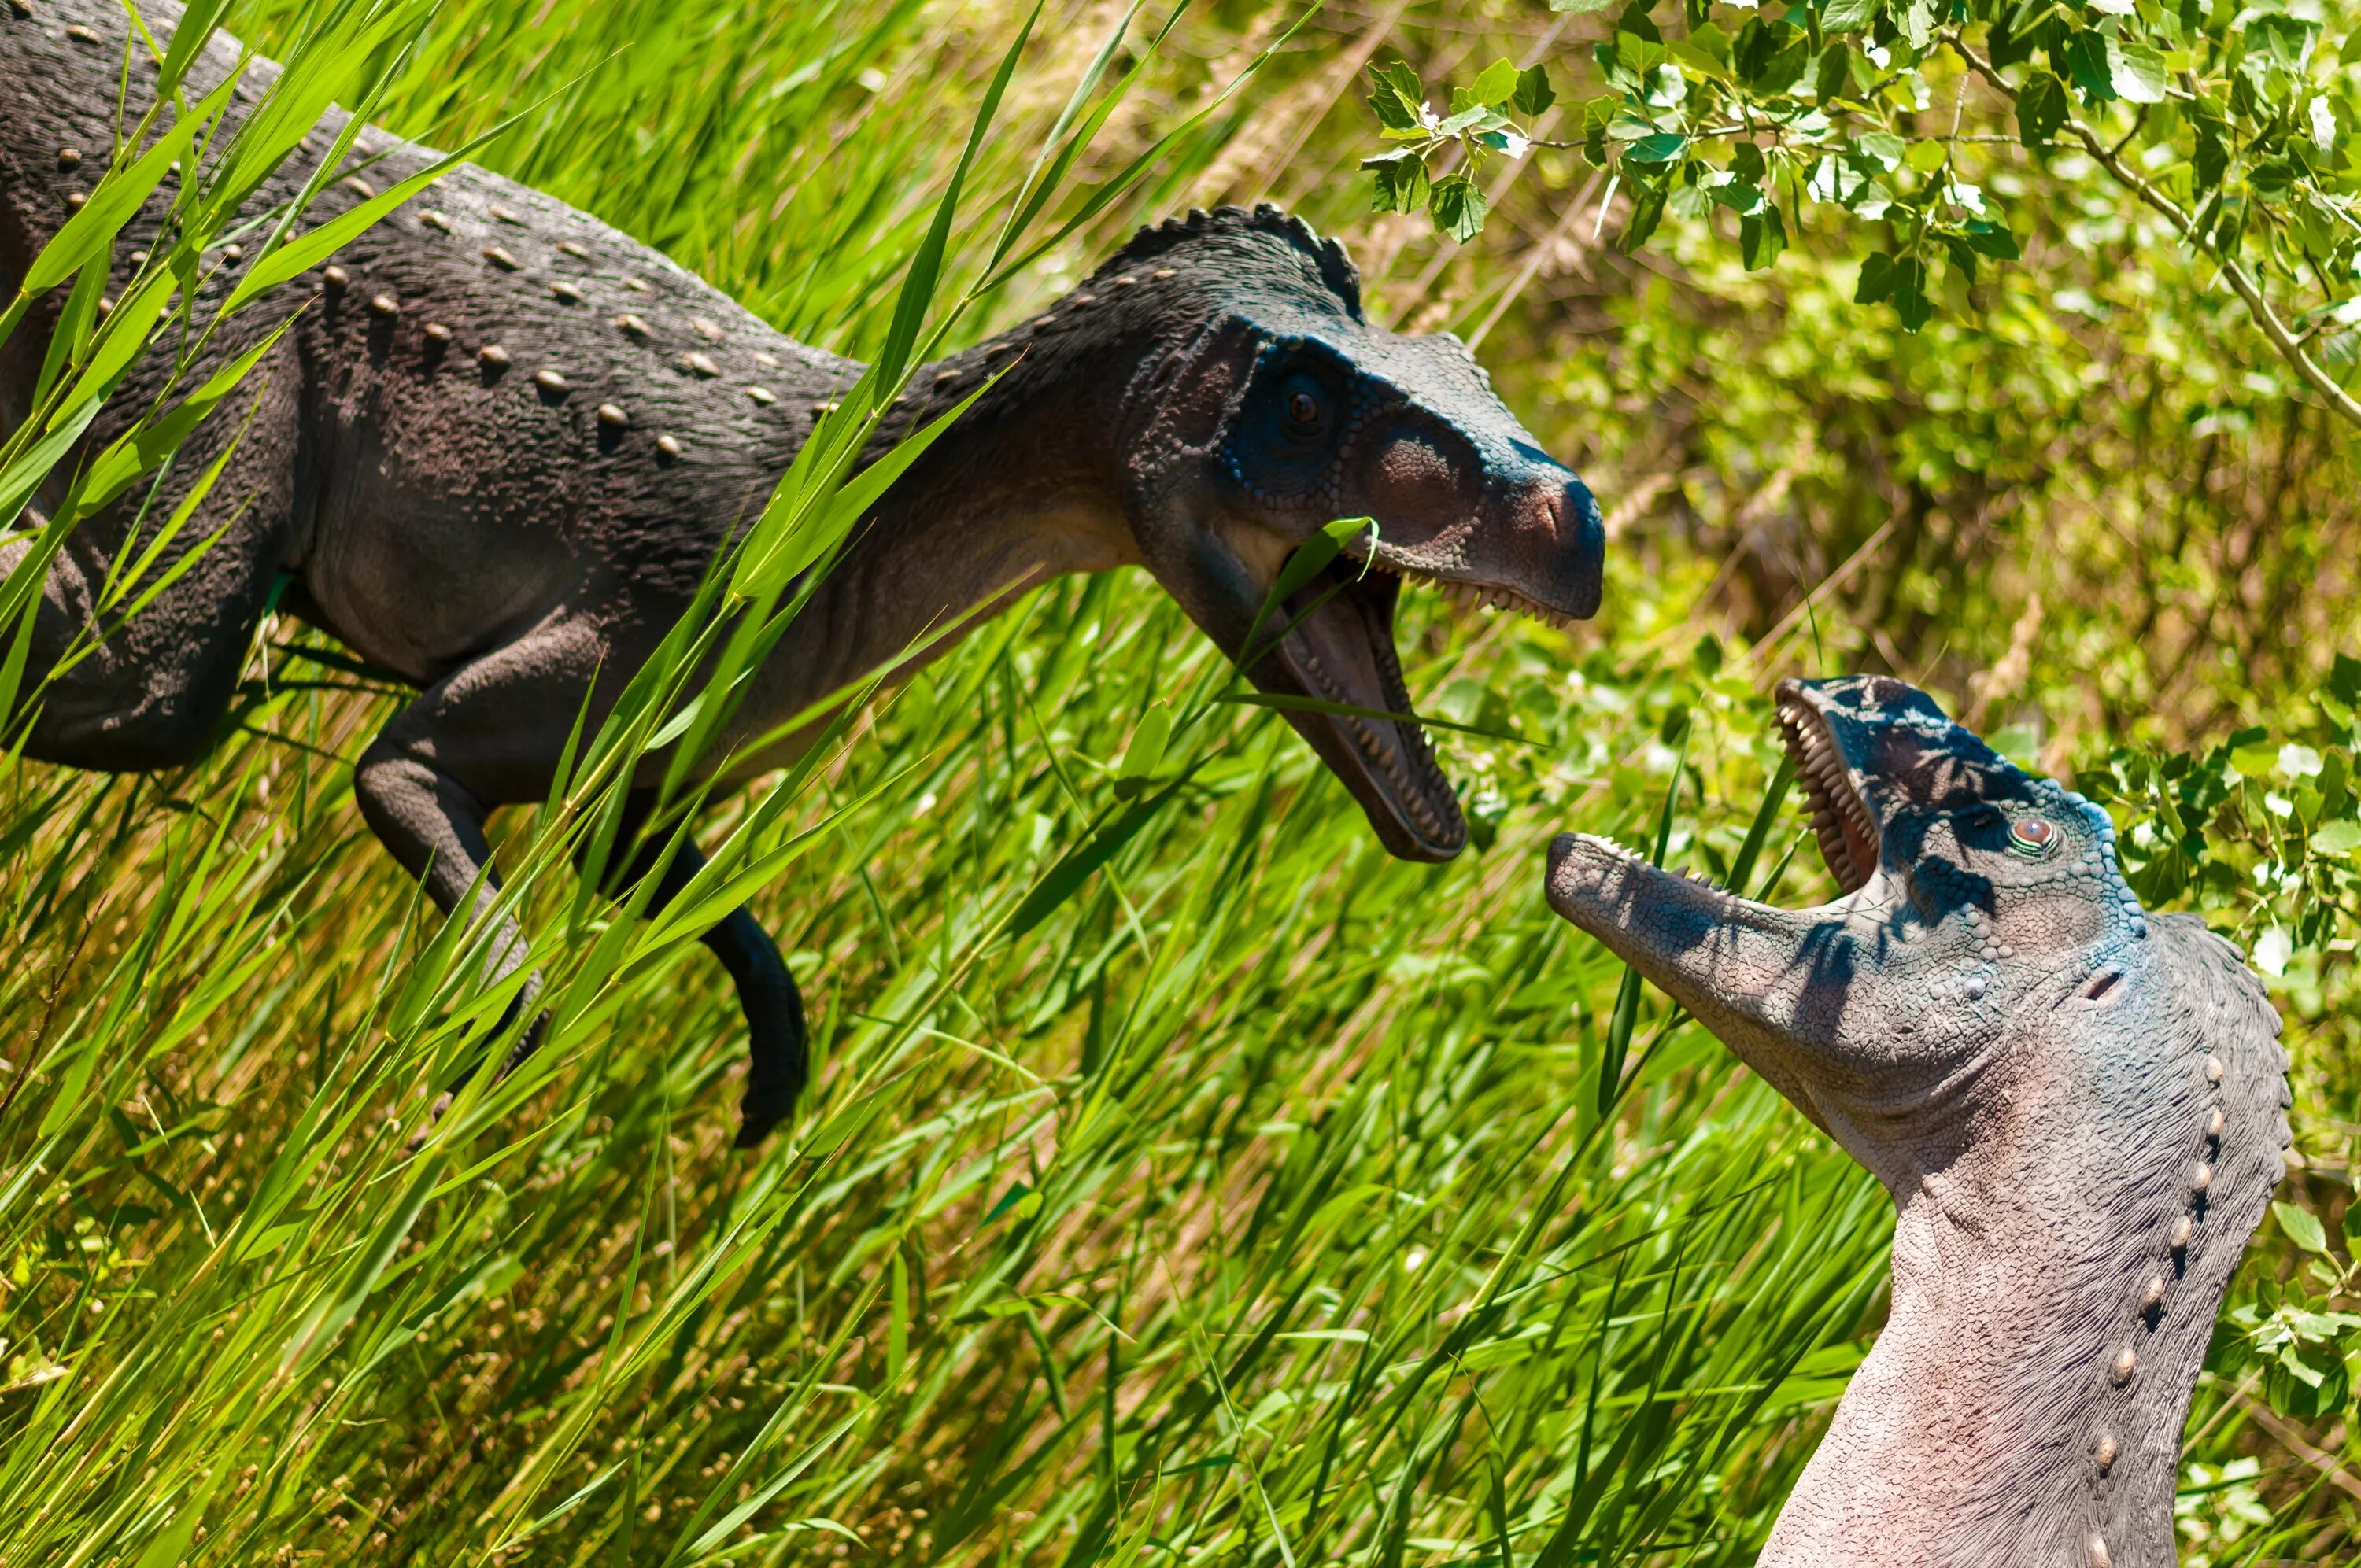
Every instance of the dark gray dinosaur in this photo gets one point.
(500, 449)
(2079, 1109)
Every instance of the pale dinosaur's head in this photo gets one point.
(2078, 1106)
(1980, 908)
(1271, 407)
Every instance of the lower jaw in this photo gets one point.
(1398, 770)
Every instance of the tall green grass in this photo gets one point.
(1250, 1202)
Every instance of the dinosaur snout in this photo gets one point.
(1556, 542)
(1581, 537)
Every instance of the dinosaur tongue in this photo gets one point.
(1340, 650)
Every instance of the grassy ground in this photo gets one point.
(1251, 1206)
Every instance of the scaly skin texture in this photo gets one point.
(500, 446)
(2078, 1108)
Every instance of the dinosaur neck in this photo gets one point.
(1996, 1420)
(1022, 490)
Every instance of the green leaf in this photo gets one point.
(1466, 114)
(1771, 57)
(1762, 235)
(1647, 212)
(1534, 94)
(127, 332)
(1910, 302)
(1597, 116)
(1495, 85)
(1850, 16)
(1636, 21)
(2300, 1386)
(1580, 7)
(2137, 72)
(1988, 238)
(1662, 147)
(2301, 1225)
(1833, 76)
(2085, 58)
(1876, 280)
(1146, 753)
(1400, 181)
(2338, 838)
(1396, 94)
(1956, 248)
(1458, 206)
(2344, 679)
(1881, 148)
(2283, 39)
(2041, 109)
(1079, 865)
(1627, 998)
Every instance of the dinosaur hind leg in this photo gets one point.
(487, 735)
(777, 1056)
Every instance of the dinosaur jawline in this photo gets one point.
(1841, 819)
(1339, 649)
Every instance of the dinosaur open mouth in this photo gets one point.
(1840, 817)
(1338, 648)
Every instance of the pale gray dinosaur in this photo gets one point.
(2078, 1108)
(498, 452)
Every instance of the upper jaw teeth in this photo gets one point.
(1476, 595)
(1841, 818)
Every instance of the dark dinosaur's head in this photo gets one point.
(2078, 1108)
(1272, 407)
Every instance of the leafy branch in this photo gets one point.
(2234, 125)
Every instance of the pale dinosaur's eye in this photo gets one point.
(2031, 836)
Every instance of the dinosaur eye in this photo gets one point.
(2031, 836)
(1302, 409)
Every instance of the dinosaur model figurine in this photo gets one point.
(2078, 1108)
(498, 451)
